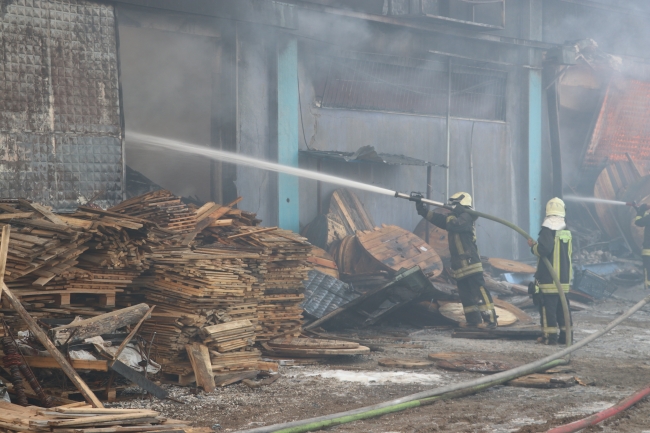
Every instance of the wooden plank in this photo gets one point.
(506, 265)
(253, 232)
(226, 379)
(43, 211)
(344, 211)
(77, 364)
(199, 356)
(98, 325)
(10, 216)
(221, 327)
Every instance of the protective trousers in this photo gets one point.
(552, 317)
(476, 299)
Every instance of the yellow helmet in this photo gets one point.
(555, 207)
(461, 198)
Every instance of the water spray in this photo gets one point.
(600, 201)
(236, 158)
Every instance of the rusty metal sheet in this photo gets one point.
(622, 125)
(60, 134)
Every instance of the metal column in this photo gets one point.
(288, 186)
(534, 31)
(535, 149)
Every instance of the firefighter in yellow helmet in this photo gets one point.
(643, 220)
(554, 243)
(466, 265)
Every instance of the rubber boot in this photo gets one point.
(562, 338)
(473, 319)
(551, 340)
(489, 320)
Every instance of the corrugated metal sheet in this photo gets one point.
(60, 135)
(623, 124)
(324, 294)
(476, 92)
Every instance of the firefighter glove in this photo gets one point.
(642, 209)
(421, 208)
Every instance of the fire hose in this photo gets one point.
(455, 390)
(417, 197)
(594, 419)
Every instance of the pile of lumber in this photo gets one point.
(79, 417)
(160, 207)
(279, 311)
(229, 336)
(195, 289)
(42, 245)
(217, 279)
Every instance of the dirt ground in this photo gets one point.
(616, 365)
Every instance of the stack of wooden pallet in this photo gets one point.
(229, 336)
(279, 310)
(193, 290)
(287, 255)
(160, 207)
(79, 417)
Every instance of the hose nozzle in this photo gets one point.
(632, 204)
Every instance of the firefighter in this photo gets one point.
(643, 220)
(466, 265)
(554, 243)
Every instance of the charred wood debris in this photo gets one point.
(156, 291)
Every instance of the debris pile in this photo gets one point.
(83, 418)
(219, 282)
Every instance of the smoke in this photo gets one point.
(166, 79)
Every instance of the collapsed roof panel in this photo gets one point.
(324, 294)
(622, 128)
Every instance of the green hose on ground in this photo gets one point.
(445, 392)
(460, 389)
(403, 406)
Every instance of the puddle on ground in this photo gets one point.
(589, 408)
(515, 424)
(376, 377)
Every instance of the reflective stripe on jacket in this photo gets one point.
(465, 258)
(556, 246)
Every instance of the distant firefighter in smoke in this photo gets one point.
(643, 220)
(466, 265)
(554, 243)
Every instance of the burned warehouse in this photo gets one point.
(286, 216)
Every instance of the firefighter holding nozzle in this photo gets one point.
(466, 265)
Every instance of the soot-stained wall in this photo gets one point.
(499, 174)
(60, 134)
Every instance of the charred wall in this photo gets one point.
(60, 133)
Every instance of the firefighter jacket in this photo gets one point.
(556, 246)
(644, 221)
(465, 259)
